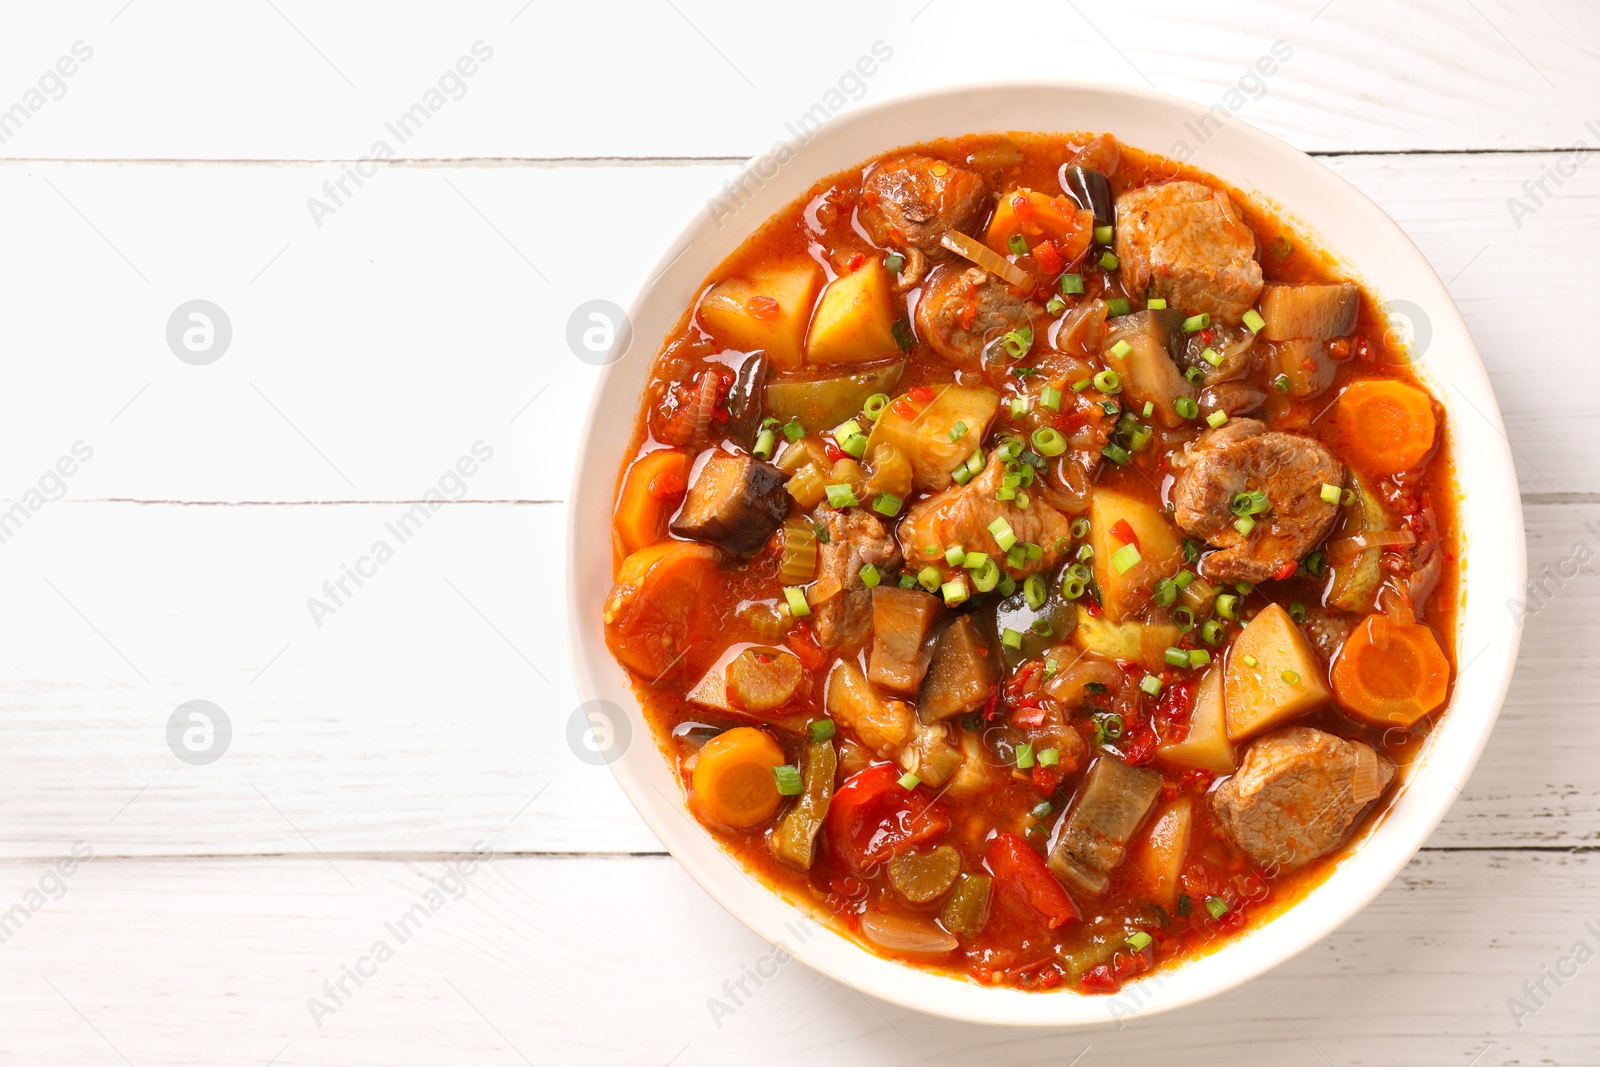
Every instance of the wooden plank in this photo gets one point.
(433, 705)
(532, 958)
(370, 354)
(702, 78)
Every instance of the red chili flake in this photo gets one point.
(1048, 257)
(1363, 350)
(1047, 779)
(834, 452)
(920, 393)
(1092, 606)
(1208, 335)
(856, 261)
(1286, 570)
(1176, 702)
(1050, 979)
(1339, 348)
(991, 707)
(763, 307)
(1124, 533)
(903, 409)
(1099, 979)
(1140, 747)
(1029, 717)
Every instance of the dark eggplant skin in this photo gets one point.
(735, 502)
(744, 400)
(1092, 191)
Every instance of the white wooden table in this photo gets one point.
(377, 749)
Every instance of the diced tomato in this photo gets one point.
(1027, 716)
(1286, 570)
(921, 394)
(1049, 259)
(1100, 979)
(1139, 746)
(873, 816)
(1124, 533)
(1022, 877)
(804, 645)
(904, 409)
(763, 307)
(833, 451)
(1047, 779)
(1176, 702)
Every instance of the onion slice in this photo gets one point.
(1367, 784)
(1343, 550)
(988, 259)
(914, 937)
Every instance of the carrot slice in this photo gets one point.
(1387, 425)
(733, 784)
(1391, 674)
(653, 625)
(1037, 218)
(650, 493)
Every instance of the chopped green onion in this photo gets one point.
(1155, 303)
(1017, 245)
(1251, 661)
(764, 445)
(1079, 528)
(1042, 809)
(1182, 579)
(1281, 383)
(1042, 627)
(874, 405)
(1108, 381)
(1245, 588)
(887, 504)
(1126, 558)
(954, 555)
(987, 576)
(1056, 305)
(1117, 305)
(1176, 657)
(1071, 284)
(893, 262)
(1108, 261)
(928, 578)
(1191, 550)
(1228, 606)
(1244, 524)
(1291, 677)
(1314, 565)
(1330, 493)
(1082, 384)
(1148, 409)
(1211, 632)
(1138, 941)
(1212, 356)
(974, 561)
(1166, 592)
(1049, 757)
(854, 445)
(1193, 375)
(958, 431)
(1019, 406)
(821, 730)
(1050, 398)
(1253, 319)
(1110, 725)
(1217, 907)
(796, 596)
(841, 496)
(1199, 657)
(954, 593)
(1049, 441)
(1003, 535)
(1025, 756)
(1050, 667)
(1011, 639)
(1008, 584)
(1347, 498)
(1297, 611)
(1018, 341)
(1253, 502)
(789, 781)
(869, 575)
(1216, 418)
(908, 581)
(1103, 235)
(909, 781)
(793, 430)
(1150, 685)
(1196, 322)
(1034, 591)
(1121, 349)
(1186, 407)
(1116, 454)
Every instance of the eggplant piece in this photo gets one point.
(901, 622)
(1113, 800)
(1312, 312)
(744, 401)
(1234, 398)
(1148, 366)
(962, 674)
(734, 502)
(1092, 191)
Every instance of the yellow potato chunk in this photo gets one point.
(1157, 551)
(1272, 675)
(767, 313)
(924, 436)
(1206, 748)
(1159, 856)
(854, 320)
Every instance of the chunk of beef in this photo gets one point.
(962, 515)
(910, 202)
(734, 502)
(962, 310)
(842, 610)
(1296, 795)
(963, 673)
(1244, 456)
(1188, 243)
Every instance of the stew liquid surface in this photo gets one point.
(1037, 558)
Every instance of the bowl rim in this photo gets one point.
(1449, 755)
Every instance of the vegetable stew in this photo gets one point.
(1037, 557)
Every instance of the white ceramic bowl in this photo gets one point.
(1315, 200)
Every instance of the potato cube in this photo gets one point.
(1272, 675)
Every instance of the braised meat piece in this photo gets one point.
(1188, 244)
(962, 310)
(910, 202)
(841, 601)
(964, 514)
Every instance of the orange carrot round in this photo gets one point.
(1388, 426)
(733, 784)
(1391, 674)
(649, 626)
(650, 493)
